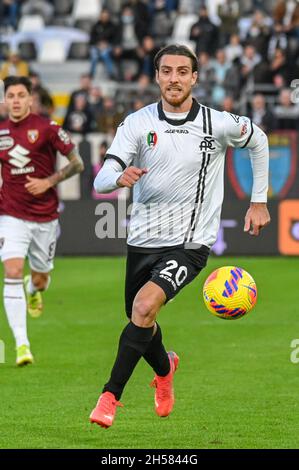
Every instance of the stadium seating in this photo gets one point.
(4, 49)
(31, 23)
(182, 27)
(52, 51)
(84, 24)
(86, 9)
(27, 50)
(78, 51)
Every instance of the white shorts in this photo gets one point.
(20, 238)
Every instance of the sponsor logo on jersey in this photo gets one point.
(22, 171)
(4, 131)
(151, 139)
(2, 242)
(63, 136)
(19, 160)
(32, 135)
(6, 143)
(207, 144)
(176, 131)
(244, 129)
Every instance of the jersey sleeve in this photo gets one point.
(241, 132)
(60, 139)
(238, 130)
(125, 143)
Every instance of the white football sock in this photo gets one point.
(31, 287)
(15, 307)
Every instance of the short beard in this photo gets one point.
(176, 102)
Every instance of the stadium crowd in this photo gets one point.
(247, 51)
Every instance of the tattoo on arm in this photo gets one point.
(75, 166)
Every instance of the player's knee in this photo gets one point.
(14, 272)
(143, 309)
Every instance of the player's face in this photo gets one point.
(176, 79)
(18, 102)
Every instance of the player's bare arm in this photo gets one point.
(256, 218)
(38, 186)
(130, 176)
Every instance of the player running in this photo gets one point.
(28, 205)
(173, 154)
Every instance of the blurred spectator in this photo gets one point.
(168, 5)
(146, 54)
(259, 32)
(146, 91)
(233, 49)
(46, 103)
(85, 88)
(9, 12)
(127, 44)
(278, 40)
(286, 13)
(102, 39)
(96, 168)
(14, 66)
(286, 112)
(36, 107)
(249, 60)
(204, 33)
(279, 65)
(228, 12)
(205, 78)
(162, 19)
(260, 115)
(232, 81)
(80, 119)
(38, 7)
(95, 100)
(110, 117)
(229, 105)
(221, 67)
(142, 18)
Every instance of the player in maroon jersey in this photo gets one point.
(29, 204)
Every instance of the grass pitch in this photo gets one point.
(236, 386)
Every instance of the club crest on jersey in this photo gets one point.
(207, 144)
(151, 139)
(6, 143)
(32, 135)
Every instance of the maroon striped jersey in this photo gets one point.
(29, 147)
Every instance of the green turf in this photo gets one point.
(235, 388)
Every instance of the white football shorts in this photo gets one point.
(20, 238)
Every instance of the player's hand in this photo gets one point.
(37, 186)
(256, 218)
(130, 176)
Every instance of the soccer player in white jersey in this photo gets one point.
(172, 153)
